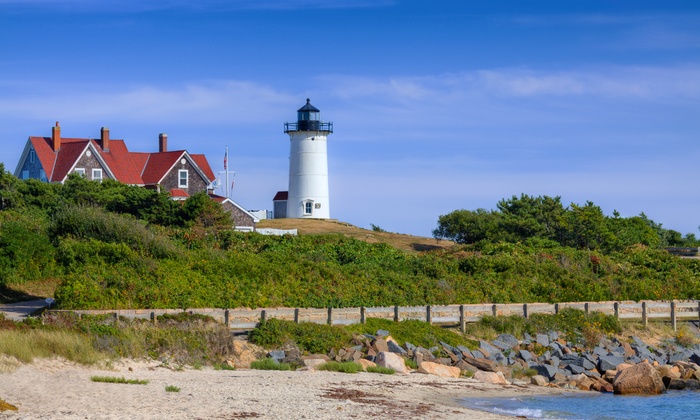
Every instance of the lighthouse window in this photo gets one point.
(308, 207)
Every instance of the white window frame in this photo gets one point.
(180, 184)
(80, 171)
(97, 174)
(309, 207)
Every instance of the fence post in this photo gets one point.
(644, 314)
(525, 310)
(330, 315)
(227, 318)
(673, 315)
(296, 315)
(263, 315)
(362, 314)
(556, 309)
(153, 318)
(493, 309)
(462, 323)
(396, 313)
(428, 315)
(699, 313)
(617, 310)
(585, 308)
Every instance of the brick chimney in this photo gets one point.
(104, 135)
(162, 142)
(56, 136)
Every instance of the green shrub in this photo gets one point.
(270, 364)
(172, 388)
(381, 369)
(118, 380)
(345, 367)
(418, 333)
(311, 337)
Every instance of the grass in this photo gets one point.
(270, 364)
(418, 333)
(380, 369)
(118, 380)
(409, 243)
(172, 388)
(344, 367)
(28, 344)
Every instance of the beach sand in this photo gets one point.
(58, 389)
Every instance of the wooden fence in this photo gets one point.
(246, 319)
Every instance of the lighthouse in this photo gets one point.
(308, 165)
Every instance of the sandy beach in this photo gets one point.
(58, 389)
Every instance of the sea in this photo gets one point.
(668, 406)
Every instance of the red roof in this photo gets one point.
(281, 196)
(176, 192)
(136, 168)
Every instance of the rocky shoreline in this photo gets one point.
(629, 366)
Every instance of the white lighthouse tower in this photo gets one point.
(308, 165)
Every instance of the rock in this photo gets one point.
(638, 379)
(487, 348)
(609, 362)
(380, 345)
(382, 333)
(538, 380)
(409, 346)
(462, 365)
(477, 354)
(465, 351)
(490, 377)
(392, 361)
(601, 385)
(395, 348)
(679, 384)
(313, 363)
(584, 383)
(366, 363)
(278, 355)
(542, 340)
(508, 339)
(525, 355)
(575, 369)
(481, 364)
(243, 353)
(670, 372)
(547, 371)
(500, 345)
(431, 368)
(629, 351)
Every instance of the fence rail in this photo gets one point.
(246, 319)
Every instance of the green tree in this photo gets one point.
(468, 227)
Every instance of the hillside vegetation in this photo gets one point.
(109, 246)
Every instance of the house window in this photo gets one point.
(25, 174)
(308, 207)
(182, 177)
(42, 175)
(32, 156)
(80, 171)
(97, 175)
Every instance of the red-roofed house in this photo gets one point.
(52, 159)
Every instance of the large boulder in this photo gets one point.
(366, 363)
(490, 377)
(481, 364)
(391, 361)
(439, 370)
(641, 378)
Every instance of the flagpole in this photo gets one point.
(228, 192)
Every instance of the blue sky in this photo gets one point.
(436, 105)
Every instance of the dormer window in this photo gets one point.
(182, 178)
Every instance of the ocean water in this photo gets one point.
(672, 405)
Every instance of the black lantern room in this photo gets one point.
(308, 119)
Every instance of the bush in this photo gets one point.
(310, 337)
(418, 333)
(380, 369)
(345, 367)
(270, 364)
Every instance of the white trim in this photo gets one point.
(25, 153)
(80, 171)
(97, 170)
(98, 157)
(184, 155)
(179, 178)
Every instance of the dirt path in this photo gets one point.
(20, 310)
